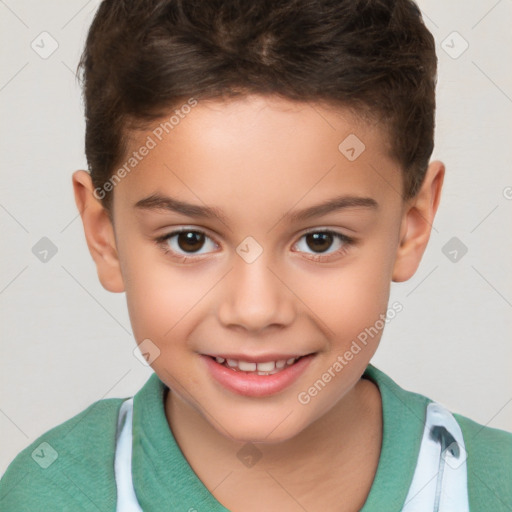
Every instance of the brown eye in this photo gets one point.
(319, 241)
(320, 245)
(190, 241)
(187, 242)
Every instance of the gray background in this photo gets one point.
(67, 342)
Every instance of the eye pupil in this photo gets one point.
(321, 241)
(193, 240)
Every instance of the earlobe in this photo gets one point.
(417, 220)
(99, 233)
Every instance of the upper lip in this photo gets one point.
(261, 358)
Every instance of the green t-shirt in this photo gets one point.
(71, 467)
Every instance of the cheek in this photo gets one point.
(153, 295)
(347, 300)
(161, 298)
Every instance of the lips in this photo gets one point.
(253, 383)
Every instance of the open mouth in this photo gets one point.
(259, 376)
(260, 368)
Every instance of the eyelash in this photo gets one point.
(347, 241)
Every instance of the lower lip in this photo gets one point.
(251, 384)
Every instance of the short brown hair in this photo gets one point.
(376, 57)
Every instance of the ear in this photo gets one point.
(417, 218)
(99, 232)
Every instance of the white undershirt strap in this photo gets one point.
(440, 479)
(126, 499)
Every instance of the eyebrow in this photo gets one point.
(158, 202)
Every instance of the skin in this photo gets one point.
(257, 159)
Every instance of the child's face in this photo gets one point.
(255, 287)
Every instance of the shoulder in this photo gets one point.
(489, 463)
(70, 467)
(488, 450)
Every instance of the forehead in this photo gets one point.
(258, 148)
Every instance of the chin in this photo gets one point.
(261, 436)
(261, 430)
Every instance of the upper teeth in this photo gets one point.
(246, 366)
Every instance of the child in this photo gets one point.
(259, 175)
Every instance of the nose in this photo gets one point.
(256, 297)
